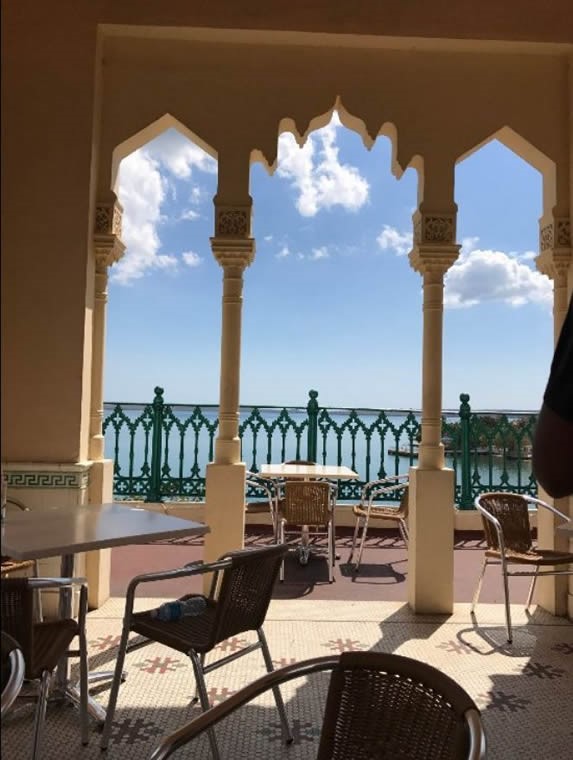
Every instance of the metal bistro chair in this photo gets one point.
(309, 505)
(267, 503)
(13, 670)
(368, 510)
(44, 644)
(9, 566)
(238, 601)
(379, 706)
(505, 518)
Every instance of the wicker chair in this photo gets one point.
(45, 644)
(367, 510)
(240, 594)
(9, 566)
(13, 669)
(267, 504)
(379, 706)
(505, 518)
(308, 505)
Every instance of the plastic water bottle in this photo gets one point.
(171, 611)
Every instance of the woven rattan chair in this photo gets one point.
(45, 644)
(13, 670)
(266, 504)
(505, 518)
(368, 510)
(240, 594)
(378, 707)
(10, 566)
(308, 505)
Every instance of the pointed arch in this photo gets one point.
(148, 133)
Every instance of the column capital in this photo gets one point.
(555, 248)
(434, 227)
(232, 220)
(433, 260)
(237, 252)
(108, 246)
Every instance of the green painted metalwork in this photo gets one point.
(162, 452)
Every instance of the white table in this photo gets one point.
(68, 531)
(307, 471)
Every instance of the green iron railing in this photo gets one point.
(160, 451)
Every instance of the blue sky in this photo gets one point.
(330, 301)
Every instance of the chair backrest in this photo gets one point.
(245, 590)
(403, 508)
(511, 510)
(17, 610)
(384, 706)
(307, 502)
(13, 670)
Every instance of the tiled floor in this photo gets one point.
(525, 690)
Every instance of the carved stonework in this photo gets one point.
(555, 264)
(563, 233)
(233, 253)
(432, 263)
(107, 250)
(232, 221)
(438, 229)
(556, 234)
(108, 218)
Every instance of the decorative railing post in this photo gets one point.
(312, 441)
(466, 499)
(154, 492)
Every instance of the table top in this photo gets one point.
(70, 530)
(566, 527)
(307, 471)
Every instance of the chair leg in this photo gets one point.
(204, 699)
(403, 531)
(478, 588)
(41, 713)
(531, 589)
(362, 541)
(354, 537)
(281, 531)
(507, 607)
(330, 552)
(202, 661)
(117, 679)
(276, 691)
(84, 686)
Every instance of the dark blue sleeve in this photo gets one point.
(559, 391)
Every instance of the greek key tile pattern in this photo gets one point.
(54, 479)
(523, 690)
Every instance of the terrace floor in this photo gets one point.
(524, 689)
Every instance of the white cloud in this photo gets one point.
(283, 253)
(318, 176)
(190, 215)
(487, 275)
(319, 253)
(191, 258)
(179, 155)
(391, 239)
(268, 238)
(142, 190)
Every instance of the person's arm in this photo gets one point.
(553, 438)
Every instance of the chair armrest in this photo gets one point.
(384, 483)
(15, 680)
(207, 719)
(550, 507)
(495, 522)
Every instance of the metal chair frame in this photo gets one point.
(271, 492)
(504, 561)
(370, 492)
(61, 584)
(306, 533)
(197, 659)
(17, 671)
(206, 721)
(34, 563)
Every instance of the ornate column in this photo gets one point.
(554, 260)
(234, 250)
(108, 249)
(430, 574)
